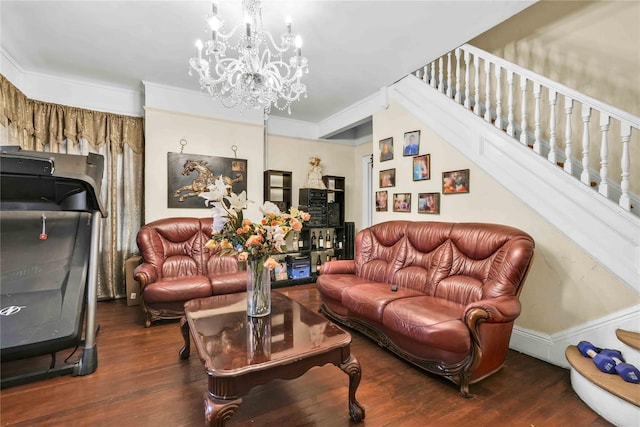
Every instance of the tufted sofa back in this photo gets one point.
(460, 262)
(175, 246)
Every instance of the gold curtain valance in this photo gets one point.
(42, 123)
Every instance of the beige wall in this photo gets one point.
(292, 154)
(590, 46)
(213, 137)
(205, 136)
(565, 287)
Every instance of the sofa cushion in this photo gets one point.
(228, 283)
(368, 300)
(334, 285)
(381, 251)
(429, 322)
(177, 289)
(179, 265)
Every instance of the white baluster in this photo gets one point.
(568, 108)
(487, 101)
(537, 93)
(553, 99)
(458, 92)
(441, 75)
(433, 74)
(425, 74)
(467, 78)
(625, 136)
(476, 96)
(523, 121)
(586, 117)
(510, 114)
(449, 89)
(603, 188)
(498, 73)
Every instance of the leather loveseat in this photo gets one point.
(443, 296)
(177, 267)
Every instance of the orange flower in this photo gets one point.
(263, 221)
(246, 222)
(243, 256)
(296, 225)
(270, 263)
(254, 240)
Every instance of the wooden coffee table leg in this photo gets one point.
(217, 411)
(352, 368)
(184, 329)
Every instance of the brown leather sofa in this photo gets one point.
(177, 267)
(443, 296)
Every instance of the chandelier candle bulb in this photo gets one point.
(298, 45)
(199, 48)
(288, 21)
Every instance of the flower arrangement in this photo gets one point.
(239, 235)
(254, 242)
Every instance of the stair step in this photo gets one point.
(609, 382)
(630, 338)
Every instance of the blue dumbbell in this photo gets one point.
(602, 361)
(627, 371)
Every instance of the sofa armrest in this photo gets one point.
(343, 266)
(502, 309)
(145, 274)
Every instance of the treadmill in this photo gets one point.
(50, 219)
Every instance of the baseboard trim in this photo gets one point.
(601, 332)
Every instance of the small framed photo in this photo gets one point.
(455, 181)
(411, 143)
(388, 178)
(422, 167)
(382, 198)
(280, 271)
(402, 202)
(429, 203)
(386, 149)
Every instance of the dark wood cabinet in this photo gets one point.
(326, 207)
(277, 188)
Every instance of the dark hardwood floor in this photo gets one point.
(141, 382)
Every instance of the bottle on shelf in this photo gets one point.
(294, 244)
(300, 243)
(335, 241)
(318, 264)
(313, 240)
(329, 242)
(320, 240)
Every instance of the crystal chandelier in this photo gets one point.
(260, 77)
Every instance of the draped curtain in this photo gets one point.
(43, 126)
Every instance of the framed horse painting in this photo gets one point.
(192, 174)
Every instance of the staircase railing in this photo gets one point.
(486, 85)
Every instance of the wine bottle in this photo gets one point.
(335, 241)
(329, 242)
(318, 263)
(313, 240)
(320, 241)
(294, 245)
(300, 243)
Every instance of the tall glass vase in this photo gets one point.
(258, 288)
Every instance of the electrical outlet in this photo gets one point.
(134, 295)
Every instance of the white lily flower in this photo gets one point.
(237, 201)
(269, 208)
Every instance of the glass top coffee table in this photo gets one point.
(240, 352)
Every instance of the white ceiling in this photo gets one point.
(354, 47)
